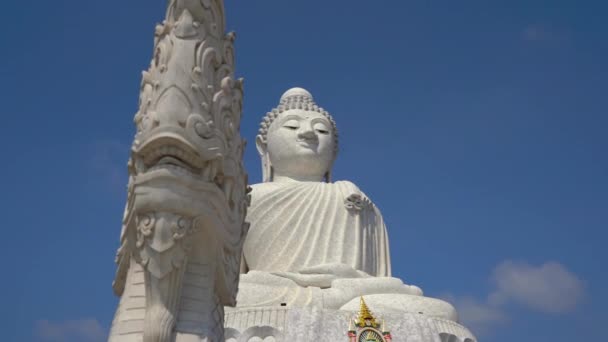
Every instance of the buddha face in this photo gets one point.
(300, 145)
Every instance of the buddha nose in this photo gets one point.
(306, 132)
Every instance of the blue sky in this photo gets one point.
(478, 127)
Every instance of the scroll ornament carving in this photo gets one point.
(356, 202)
(160, 232)
(187, 196)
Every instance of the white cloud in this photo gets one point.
(549, 288)
(479, 316)
(85, 330)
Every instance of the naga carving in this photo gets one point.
(183, 228)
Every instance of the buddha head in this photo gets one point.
(297, 140)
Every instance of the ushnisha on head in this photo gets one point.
(298, 140)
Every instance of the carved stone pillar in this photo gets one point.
(183, 228)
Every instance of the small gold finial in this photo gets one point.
(365, 317)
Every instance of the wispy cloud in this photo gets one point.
(107, 165)
(544, 33)
(535, 33)
(85, 330)
(479, 316)
(549, 288)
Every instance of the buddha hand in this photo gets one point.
(322, 275)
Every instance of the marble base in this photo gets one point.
(310, 324)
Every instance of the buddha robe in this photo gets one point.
(314, 244)
(295, 226)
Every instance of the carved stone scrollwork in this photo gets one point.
(255, 334)
(356, 202)
(160, 241)
(188, 195)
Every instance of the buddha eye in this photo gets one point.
(292, 125)
(321, 128)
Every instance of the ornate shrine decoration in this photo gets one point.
(365, 327)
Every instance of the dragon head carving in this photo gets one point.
(186, 157)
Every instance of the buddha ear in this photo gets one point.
(260, 144)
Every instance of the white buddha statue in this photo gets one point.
(314, 242)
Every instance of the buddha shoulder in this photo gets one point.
(348, 191)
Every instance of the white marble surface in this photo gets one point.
(312, 324)
(396, 304)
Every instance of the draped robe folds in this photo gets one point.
(322, 245)
(299, 225)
